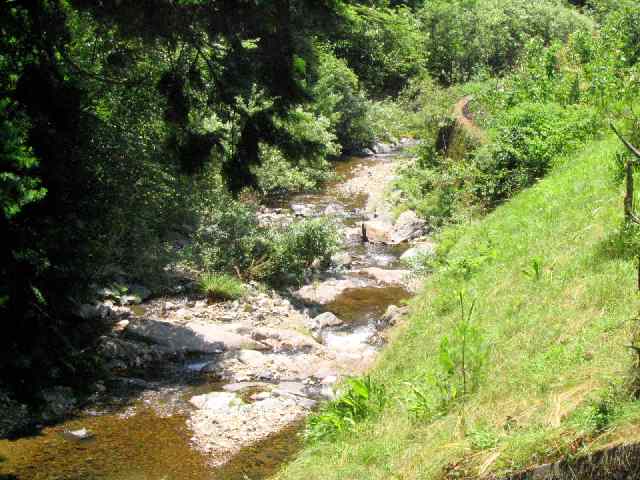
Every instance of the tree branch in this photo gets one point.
(633, 149)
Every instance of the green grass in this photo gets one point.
(556, 300)
(219, 287)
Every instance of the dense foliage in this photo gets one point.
(553, 93)
(124, 124)
(127, 127)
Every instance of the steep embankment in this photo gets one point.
(556, 303)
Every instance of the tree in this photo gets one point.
(108, 107)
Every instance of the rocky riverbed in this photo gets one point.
(238, 373)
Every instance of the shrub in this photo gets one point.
(361, 398)
(227, 238)
(294, 250)
(220, 287)
(462, 358)
(527, 140)
(466, 37)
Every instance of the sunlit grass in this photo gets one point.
(219, 287)
(556, 298)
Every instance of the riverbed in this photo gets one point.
(248, 372)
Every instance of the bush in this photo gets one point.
(527, 139)
(228, 237)
(294, 250)
(220, 287)
(467, 37)
(361, 398)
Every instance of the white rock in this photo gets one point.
(377, 231)
(216, 401)
(193, 337)
(258, 397)
(389, 277)
(77, 435)
(121, 326)
(407, 227)
(341, 259)
(327, 291)
(325, 320)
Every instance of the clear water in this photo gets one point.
(148, 438)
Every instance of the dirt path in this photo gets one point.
(464, 119)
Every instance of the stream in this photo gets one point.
(233, 408)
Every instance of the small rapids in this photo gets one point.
(143, 433)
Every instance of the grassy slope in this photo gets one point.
(556, 343)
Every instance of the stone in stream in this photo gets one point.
(325, 320)
(192, 337)
(376, 231)
(59, 402)
(341, 259)
(382, 148)
(301, 210)
(389, 277)
(327, 291)
(253, 358)
(296, 389)
(284, 340)
(420, 250)
(14, 416)
(215, 401)
(407, 227)
(258, 397)
(392, 315)
(333, 209)
(140, 291)
(382, 260)
(77, 435)
(353, 235)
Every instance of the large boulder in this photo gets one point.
(407, 227)
(59, 402)
(389, 277)
(382, 148)
(193, 337)
(325, 320)
(14, 416)
(327, 291)
(341, 259)
(377, 231)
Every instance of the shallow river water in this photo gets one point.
(145, 436)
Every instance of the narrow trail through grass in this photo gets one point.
(556, 301)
